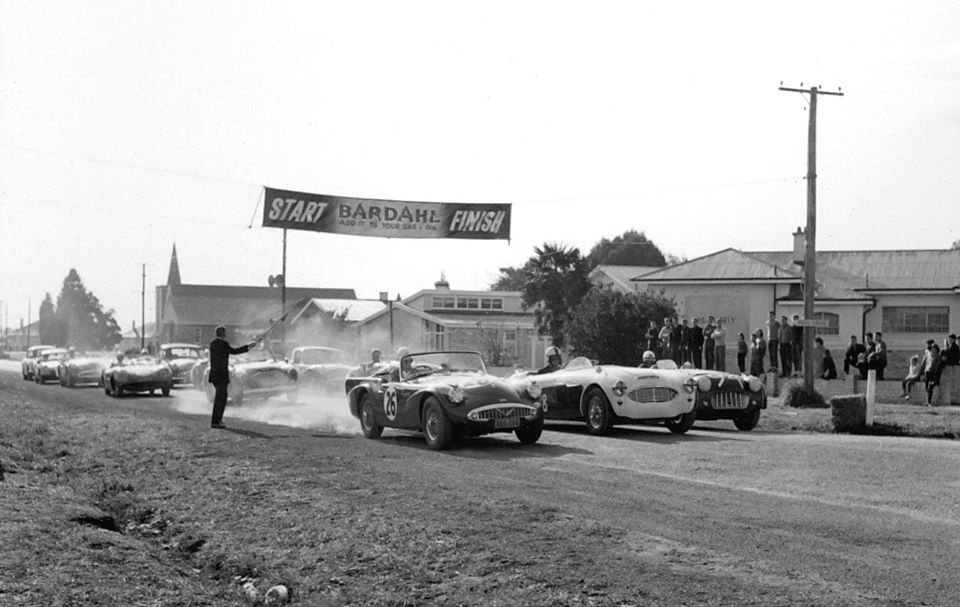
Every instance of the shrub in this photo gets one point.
(795, 395)
(849, 413)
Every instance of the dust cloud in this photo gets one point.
(312, 411)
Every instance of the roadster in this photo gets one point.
(85, 369)
(446, 395)
(723, 395)
(320, 368)
(139, 373)
(257, 374)
(181, 358)
(47, 363)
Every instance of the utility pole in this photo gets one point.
(810, 251)
(143, 306)
(283, 295)
(29, 305)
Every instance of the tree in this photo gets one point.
(47, 322)
(608, 325)
(956, 245)
(631, 248)
(555, 280)
(80, 319)
(511, 279)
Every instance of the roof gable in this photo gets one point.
(726, 265)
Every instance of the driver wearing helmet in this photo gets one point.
(649, 360)
(554, 360)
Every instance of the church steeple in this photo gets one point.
(173, 277)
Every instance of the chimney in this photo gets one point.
(799, 246)
(442, 284)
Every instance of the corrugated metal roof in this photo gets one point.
(236, 306)
(622, 274)
(728, 264)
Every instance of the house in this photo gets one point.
(190, 313)
(491, 322)
(618, 277)
(908, 295)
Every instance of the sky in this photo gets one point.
(128, 127)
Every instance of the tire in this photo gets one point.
(70, 381)
(165, 390)
(117, 389)
(747, 421)
(106, 386)
(682, 423)
(597, 412)
(368, 421)
(530, 433)
(437, 429)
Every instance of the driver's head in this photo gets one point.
(552, 354)
(649, 359)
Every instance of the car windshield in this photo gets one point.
(181, 352)
(318, 356)
(53, 355)
(139, 361)
(416, 365)
(254, 356)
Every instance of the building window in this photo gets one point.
(833, 326)
(471, 303)
(916, 319)
(443, 301)
(432, 336)
(510, 342)
(491, 303)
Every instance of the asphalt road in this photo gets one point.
(865, 520)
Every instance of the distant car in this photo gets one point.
(137, 373)
(30, 360)
(198, 374)
(181, 358)
(46, 365)
(84, 369)
(444, 394)
(605, 395)
(731, 396)
(257, 374)
(320, 368)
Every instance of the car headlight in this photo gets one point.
(755, 384)
(534, 390)
(704, 384)
(455, 396)
(619, 388)
(690, 385)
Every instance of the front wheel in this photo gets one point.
(747, 421)
(437, 428)
(530, 433)
(682, 423)
(598, 412)
(368, 420)
(117, 390)
(165, 390)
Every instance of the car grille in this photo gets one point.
(268, 379)
(501, 412)
(729, 400)
(652, 394)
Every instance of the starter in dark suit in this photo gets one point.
(220, 351)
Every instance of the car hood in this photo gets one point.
(264, 365)
(478, 389)
(86, 364)
(143, 371)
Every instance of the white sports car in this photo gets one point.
(605, 395)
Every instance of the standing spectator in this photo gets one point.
(664, 338)
(786, 346)
(741, 353)
(931, 369)
(220, 351)
(696, 343)
(951, 352)
(773, 330)
(685, 355)
(852, 353)
(720, 347)
(829, 367)
(818, 355)
(879, 354)
(914, 374)
(797, 349)
(708, 343)
(653, 337)
(758, 347)
(675, 341)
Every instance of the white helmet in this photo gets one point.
(649, 356)
(402, 351)
(551, 351)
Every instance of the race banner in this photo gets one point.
(384, 218)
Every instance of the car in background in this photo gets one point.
(446, 395)
(30, 360)
(257, 374)
(83, 369)
(181, 358)
(47, 363)
(321, 368)
(603, 396)
(137, 373)
(722, 395)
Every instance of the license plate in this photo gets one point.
(506, 422)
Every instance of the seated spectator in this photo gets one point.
(829, 367)
(914, 374)
(862, 365)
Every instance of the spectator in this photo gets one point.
(829, 367)
(951, 352)
(877, 355)
(720, 347)
(914, 374)
(796, 350)
(709, 347)
(685, 355)
(818, 351)
(696, 343)
(653, 337)
(758, 347)
(786, 347)
(862, 366)
(773, 330)
(852, 353)
(931, 369)
(675, 335)
(664, 338)
(741, 353)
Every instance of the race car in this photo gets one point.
(731, 396)
(181, 358)
(257, 374)
(606, 395)
(46, 364)
(320, 368)
(29, 362)
(446, 395)
(137, 373)
(83, 369)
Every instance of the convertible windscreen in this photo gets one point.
(441, 362)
